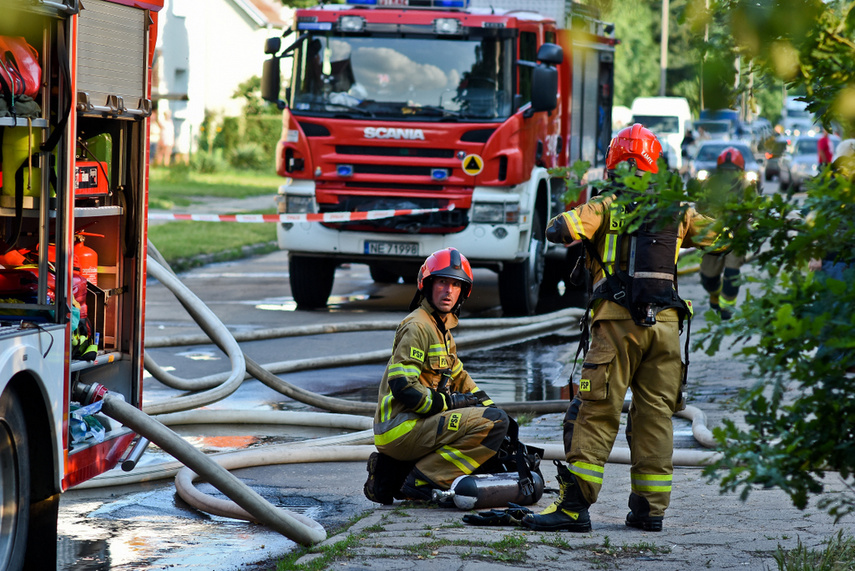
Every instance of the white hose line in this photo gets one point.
(276, 417)
(472, 323)
(217, 506)
(218, 333)
(263, 512)
(163, 470)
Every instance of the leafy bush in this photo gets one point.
(250, 156)
(208, 161)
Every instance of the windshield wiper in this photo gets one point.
(441, 110)
(349, 108)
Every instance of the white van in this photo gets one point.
(668, 117)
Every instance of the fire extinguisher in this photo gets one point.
(86, 258)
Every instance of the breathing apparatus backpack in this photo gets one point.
(649, 283)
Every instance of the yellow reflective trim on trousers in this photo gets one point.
(574, 223)
(610, 251)
(587, 472)
(651, 482)
(466, 464)
(397, 432)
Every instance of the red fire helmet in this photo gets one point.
(731, 158)
(448, 263)
(636, 143)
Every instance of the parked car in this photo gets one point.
(713, 129)
(706, 158)
(801, 162)
(774, 148)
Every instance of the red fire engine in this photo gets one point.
(457, 107)
(74, 164)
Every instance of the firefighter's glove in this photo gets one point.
(513, 515)
(461, 400)
(557, 232)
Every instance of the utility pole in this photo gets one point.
(663, 48)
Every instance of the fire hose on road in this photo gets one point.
(248, 504)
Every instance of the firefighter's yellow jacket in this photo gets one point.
(422, 353)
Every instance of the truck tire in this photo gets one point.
(14, 482)
(311, 280)
(519, 283)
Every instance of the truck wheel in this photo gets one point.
(311, 280)
(519, 284)
(14, 483)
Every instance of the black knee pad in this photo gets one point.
(711, 283)
(730, 289)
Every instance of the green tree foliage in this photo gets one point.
(796, 329)
(637, 54)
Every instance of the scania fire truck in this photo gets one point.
(72, 251)
(454, 109)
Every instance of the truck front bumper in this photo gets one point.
(484, 244)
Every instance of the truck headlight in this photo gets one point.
(751, 176)
(495, 213)
(703, 174)
(298, 204)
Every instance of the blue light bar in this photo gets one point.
(323, 26)
(344, 170)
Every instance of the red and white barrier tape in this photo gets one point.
(324, 217)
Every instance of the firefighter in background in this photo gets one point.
(432, 423)
(720, 272)
(635, 328)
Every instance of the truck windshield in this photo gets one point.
(404, 78)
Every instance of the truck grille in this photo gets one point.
(433, 223)
(362, 150)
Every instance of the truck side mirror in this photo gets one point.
(544, 88)
(271, 82)
(272, 45)
(550, 54)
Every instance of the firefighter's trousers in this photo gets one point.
(647, 360)
(452, 443)
(712, 268)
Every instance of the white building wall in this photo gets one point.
(208, 48)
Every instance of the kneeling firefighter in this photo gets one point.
(636, 318)
(433, 425)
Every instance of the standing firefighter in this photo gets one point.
(635, 343)
(432, 423)
(725, 184)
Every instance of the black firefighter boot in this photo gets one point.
(569, 512)
(640, 517)
(385, 477)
